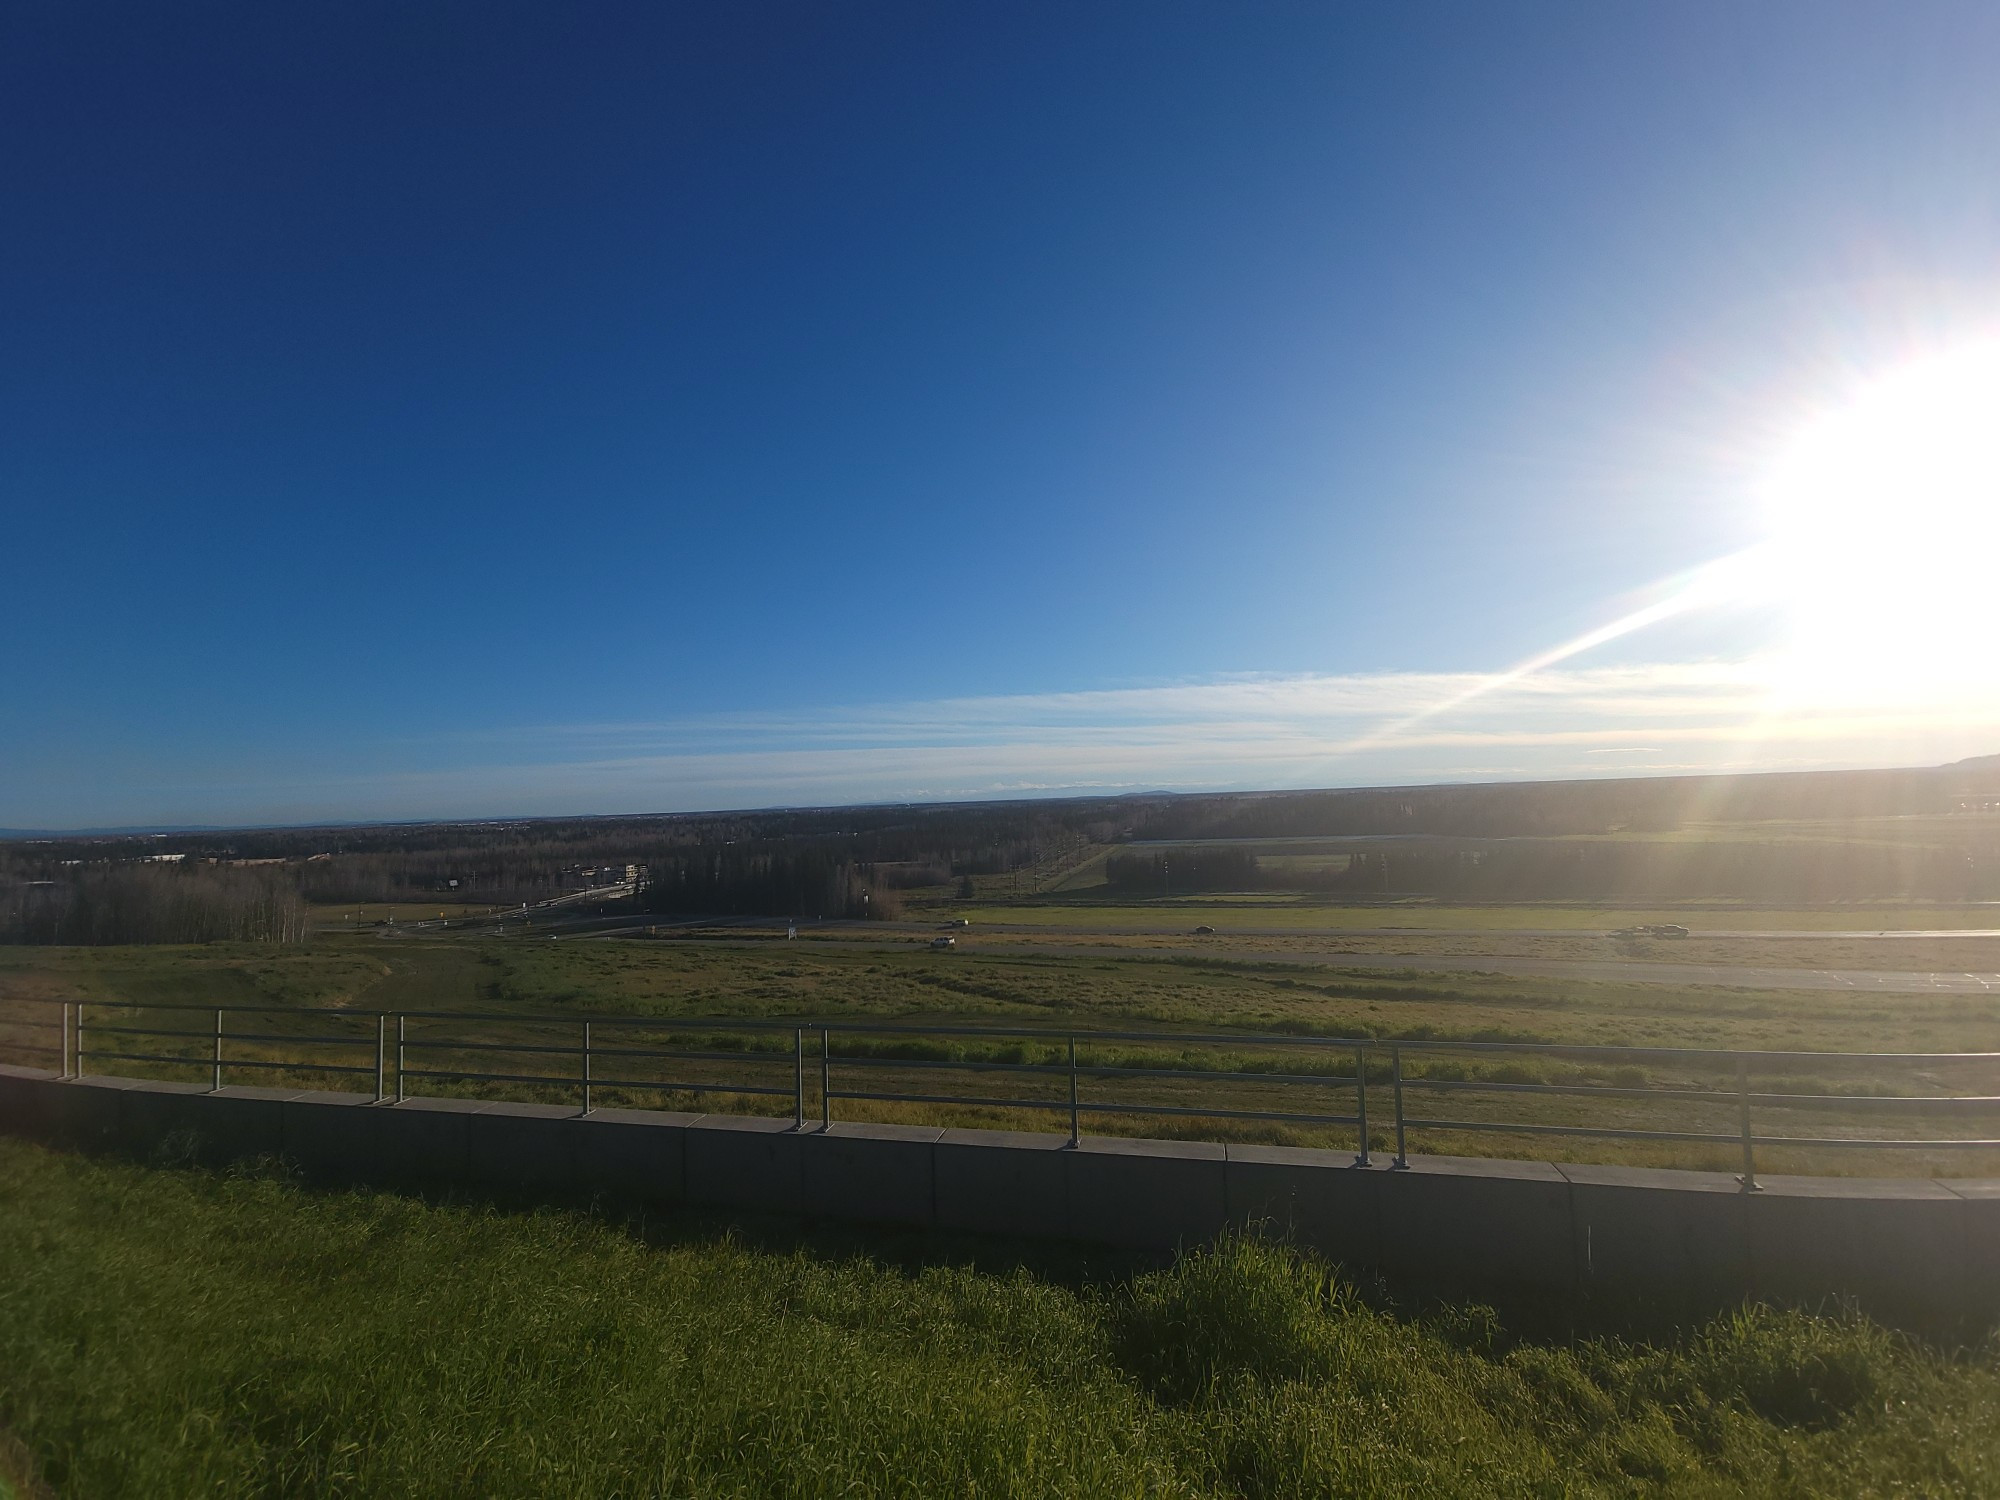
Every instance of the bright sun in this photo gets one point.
(1884, 518)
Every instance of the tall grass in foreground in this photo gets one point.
(174, 1332)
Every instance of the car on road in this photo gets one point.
(1204, 931)
(944, 942)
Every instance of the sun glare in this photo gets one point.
(1881, 552)
(1884, 523)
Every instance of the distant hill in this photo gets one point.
(1546, 809)
(1980, 773)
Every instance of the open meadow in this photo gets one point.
(861, 972)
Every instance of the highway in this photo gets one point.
(1596, 971)
(560, 920)
(1706, 934)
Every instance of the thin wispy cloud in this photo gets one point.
(1231, 733)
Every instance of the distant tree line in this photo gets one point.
(1555, 808)
(768, 881)
(1184, 871)
(1801, 872)
(1519, 842)
(154, 904)
(507, 863)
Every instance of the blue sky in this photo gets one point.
(446, 410)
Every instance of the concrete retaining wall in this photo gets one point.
(1918, 1253)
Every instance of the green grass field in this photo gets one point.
(176, 1332)
(1204, 988)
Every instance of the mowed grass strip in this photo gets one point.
(168, 1332)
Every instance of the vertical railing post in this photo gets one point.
(1749, 1178)
(1072, 1091)
(66, 1060)
(215, 1073)
(400, 1018)
(381, 1056)
(799, 1079)
(1396, 1075)
(1361, 1102)
(825, 1097)
(586, 1067)
(76, 1068)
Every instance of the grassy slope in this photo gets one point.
(175, 1332)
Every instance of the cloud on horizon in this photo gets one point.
(1237, 733)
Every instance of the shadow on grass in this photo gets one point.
(1491, 1323)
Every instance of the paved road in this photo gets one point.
(1706, 934)
(576, 923)
(1602, 971)
(1607, 971)
(1613, 971)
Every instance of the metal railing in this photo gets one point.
(1361, 1090)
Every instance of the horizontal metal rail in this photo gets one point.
(1190, 1111)
(1571, 1090)
(476, 1077)
(1874, 1142)
(1094, 1107)
(1920, 1103)
(963, 1099)
(1970, 1103)
(545, 1049)
(663, 1085)
(302, 1041)
(951, 1065)
(668, 1086)
(295, 1067)
(1593, 1050)
(1522, 1127)
(692, 1055)
(538, 1048)
(1203, 1075)
(1229, 1070)
(151, 1057)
